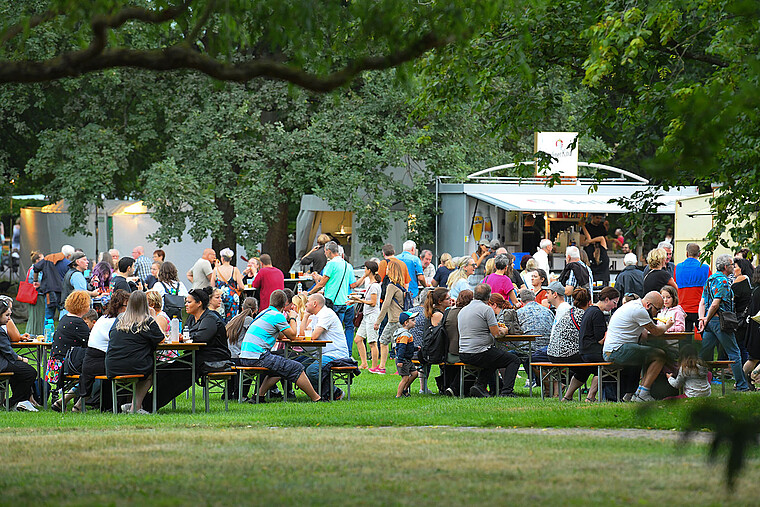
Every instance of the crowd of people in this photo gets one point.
(391, 310)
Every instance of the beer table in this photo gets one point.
(192, 347)
(309, 348)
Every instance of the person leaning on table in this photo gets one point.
(203, 325)
(23, 374)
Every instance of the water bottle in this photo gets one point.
(49, 330)
(174, 330)
(299, 288)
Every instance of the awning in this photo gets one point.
(579, 203)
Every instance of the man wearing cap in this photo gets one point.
(74, 278)
(630, 280)
(477, 328)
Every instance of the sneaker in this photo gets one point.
(252, 400)
(379, 371)
(449, 392)
(641, 397)
(26, 406)
(507, 395)
(143, 412)
(127, 407)
(291, 395)
(478, 392)
(338, 394)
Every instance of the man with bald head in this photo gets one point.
(630, 322)
(200, 273)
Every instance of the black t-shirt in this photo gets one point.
(209, 329)
(132, 353)
(71, 332)
(531, 239)
(119, 282)
(593, 327)
(442, 275)
(655, 280)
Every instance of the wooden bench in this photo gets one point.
(344, 374)
(254, 373)
(123, 383)
(713, 366)
(5, 385)
(604, 371)
(217, 379)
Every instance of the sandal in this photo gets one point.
(566, 399)
(57, 407)
(75, 409)
(590, 400)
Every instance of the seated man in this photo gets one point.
(255, 349)
(477, 328)
(327, 326)
(630, 322)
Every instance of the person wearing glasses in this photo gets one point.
(631, 322)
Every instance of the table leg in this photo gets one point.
(155, 382)
(192, 360)
(42, 369)
(530, 369)
(319, 382)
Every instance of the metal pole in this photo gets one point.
(436, 218)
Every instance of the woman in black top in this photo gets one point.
(592, 331)
(23, 374)
(742, 289)
(657, 277)
(132, 346)
(71, 332)
(203, 325)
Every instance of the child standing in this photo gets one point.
(404, 352)
(692, 375)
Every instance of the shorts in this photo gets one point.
(405, 367)
(367, 328)
(387, 335)
(281, 367)
(631, 354)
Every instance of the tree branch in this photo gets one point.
(96, 58)
(672, 49)
(36, 20)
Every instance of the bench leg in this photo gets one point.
(461, 381)
(541, 381)
(348, 386)
(114, 397)
(241, 374)
(332, 387)
(723, 381)
(226, 401)
(205, 393)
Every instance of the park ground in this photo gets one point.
(374, 449)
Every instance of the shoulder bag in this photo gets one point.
(26, 291)
(729, 322)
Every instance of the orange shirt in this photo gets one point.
(383, 264)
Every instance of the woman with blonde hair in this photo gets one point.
(490, 266)
(441, 276)
(657, 277)
(156, 303)
(457, 281)
(131, 347)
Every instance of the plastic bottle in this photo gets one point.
(49, 330)
(174, 330)
(299, 288)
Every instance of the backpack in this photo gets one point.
(408, 301)
(173, 304)
(435, 343)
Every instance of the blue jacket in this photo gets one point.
(630, 280)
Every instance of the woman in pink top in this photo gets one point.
(500, 282)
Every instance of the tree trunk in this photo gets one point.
(276, 241)
(227, 238)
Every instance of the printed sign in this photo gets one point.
(557, 144)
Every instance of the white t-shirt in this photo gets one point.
(333, 331)
(561, 311)
(159, 287)
(99, 334)
(372, 310)
(626, 325)
(542, 258)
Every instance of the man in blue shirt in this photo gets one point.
(256, 349)
(414, 266)
(337, 278)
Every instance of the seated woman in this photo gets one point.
(155, 303)
(23, 374)
(72, 331)
(131, 347)
(539, 280)
(256, 349)
(593, 329)
(564, 343)
(236, 329)
(671, 310)
(203, 325)
(94, 363)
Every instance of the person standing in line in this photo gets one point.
(317, 257)
(542, 255)
(203, 269)
(142, 263)
(268, 280)
(594, 239)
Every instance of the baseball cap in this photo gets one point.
(76, 256)
(406, 316)
(555, 287)
(483, 242)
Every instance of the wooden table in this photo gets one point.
(530, 338)
(310, 348)
(192, 347)
(37, 351)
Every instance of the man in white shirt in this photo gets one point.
(542, 255)
(327, 326)
(630, 322)
(200, 273)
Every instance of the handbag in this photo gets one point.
(358, 316)
(729, 322)
(26, 291)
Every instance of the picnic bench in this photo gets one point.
(605, 370)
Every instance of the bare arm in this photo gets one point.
(421, 281)
(672, 283)
(190, 275)
(497, 331)
(320, 284)
(659, 329)
(238, 278)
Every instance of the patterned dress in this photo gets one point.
(230, 297)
